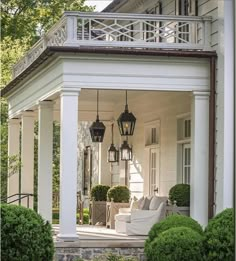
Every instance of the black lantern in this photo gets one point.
(125, 151)
(126, 121)
(97, 129)
(113, 153)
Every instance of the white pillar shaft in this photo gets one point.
(13, 151)
(27, 157)
(200, 158)
(45, 159)
(228, 173)
(68, 165)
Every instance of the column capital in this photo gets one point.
(13, 121)
(200, 94)
(70, 91)
(45, 104)
(27, 114)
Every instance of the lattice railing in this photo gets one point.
(122, 30)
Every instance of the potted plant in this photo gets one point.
(97, 206)
(179, 196)
(117, 197)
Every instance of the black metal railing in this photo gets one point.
(21, 196)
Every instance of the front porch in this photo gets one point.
(58, 80)
(98, 241)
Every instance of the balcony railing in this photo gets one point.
(122, 30)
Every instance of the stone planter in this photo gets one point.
(112, 208)
(174, 209)
(97, 212)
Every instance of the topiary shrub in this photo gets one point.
(180, 193)
(25, 235)
(99, 192)
(175, 244)
(219, 237)
(170, 222)
(119, 194)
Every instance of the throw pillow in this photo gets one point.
(134, 203)
(145, 203)
(140, 202)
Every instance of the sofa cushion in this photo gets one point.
(140, 202)
(134, 203)
(123, 217)
(145, 204)
(156, 201)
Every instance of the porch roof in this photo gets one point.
(53, 51)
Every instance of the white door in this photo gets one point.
(153, 170)
(186, 163)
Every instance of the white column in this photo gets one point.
(199, 158)
(27, 157)
(45, 159)
(228, 172)
(68, 165)
(13, 151)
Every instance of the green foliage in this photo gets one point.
(170, 222)
(99, 192)
(30, 18)
(119, 194)
(180, 193)
(175, 244)
(24, 235)
(219, 234)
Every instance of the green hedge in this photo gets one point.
(25, 236)
(180, 193)
(119, 194)
(219, 234)
(170, 222)
(177, 244)
(99, 192)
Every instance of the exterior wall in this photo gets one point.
(163, 106)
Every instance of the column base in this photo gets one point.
(67, 237)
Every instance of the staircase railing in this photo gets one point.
(9, 200)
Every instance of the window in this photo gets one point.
(152, 26)
(184, 150)
(152, 133)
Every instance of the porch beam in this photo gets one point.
(200, 157)
(45, 160)
(27, 157)
(13, 151)
(68, 165)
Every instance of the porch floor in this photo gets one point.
(100, 236)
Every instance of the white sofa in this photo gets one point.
(139, 221)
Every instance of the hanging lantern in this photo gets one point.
(126, 121)
(113, 153)
(125, 151)
(97, 129)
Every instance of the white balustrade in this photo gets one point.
(122, 30)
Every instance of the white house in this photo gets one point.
(174, 58)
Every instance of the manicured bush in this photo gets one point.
(99, 192)
(175, 244)
(25, 236)
(180, 193)
(119, 194)
(219, 237)
(174, 221)
(170, 222)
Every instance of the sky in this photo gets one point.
(100, 4)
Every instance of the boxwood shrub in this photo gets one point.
(119, 194)
(25, 236)
(99, 192)
(175, 244)
(219, 237)
(180, 193)
(170, 222)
